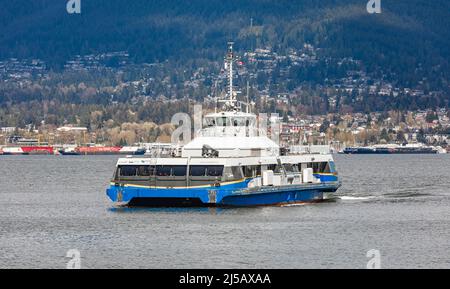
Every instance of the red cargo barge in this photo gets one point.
(27, 150)
(103, 150)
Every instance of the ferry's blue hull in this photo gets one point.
(232, 194)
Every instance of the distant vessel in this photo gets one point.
(102, 150)
(230, 163)
(394, 149)
(22, 146)
(26, 150)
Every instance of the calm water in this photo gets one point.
(399, 205)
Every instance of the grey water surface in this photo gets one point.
(397, 204)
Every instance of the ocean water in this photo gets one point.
(398, 205)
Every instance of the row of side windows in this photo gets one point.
(169, 171)
(215, 171)
(320, 167)
(132, 171)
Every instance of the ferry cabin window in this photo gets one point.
(209, 171)
(237, 173)
(248, 171)
(251, 121)
(133, 171)
(252, 171)
(239, 121)
(332, 167)
(275, 168)
(223, 121)
(322, 167)
(215, 171)
(163, 171)
(210, 122)
(168, 171)
(179, 171)
(290, 168)
(233, 173)
(143, 171)
(326, 168)
(197, 171)
(127, 171)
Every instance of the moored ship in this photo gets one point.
(102, 150)
(395, 149)
(23, 146)
(26, 150)
(230, 163)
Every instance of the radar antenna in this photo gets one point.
(230, 100)
(229, 61)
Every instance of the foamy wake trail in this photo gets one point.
(351, 198)
(293, 205)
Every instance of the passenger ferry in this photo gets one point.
(230, 163)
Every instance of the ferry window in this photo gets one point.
(237, 172)
(332, 167)
(239, 121)
(325, 168)
(210, 122)
(143, 171)
(302, 166)
(179, 171)
(320, 167)
(251, 171)
(198, 171)
(251, 121)
(248, 173)
(227, 173)
(128, 171)
(315, 167)
(222, 121)
(215, 171)
(278, 169)
(163, 171)
(289, 168)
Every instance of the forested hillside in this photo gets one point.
(405, 34)
(328, 55)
